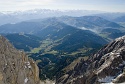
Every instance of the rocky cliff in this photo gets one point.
(15, 66)
(106, 66)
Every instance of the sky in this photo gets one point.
(101, 5)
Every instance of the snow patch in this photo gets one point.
(81, 76)
(47, 81)
(27, 65)
(111, 53)
(120, 38)
(118, 76)
(26, 80)
(107, 79)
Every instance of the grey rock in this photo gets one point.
(15, 66)
(106, 66)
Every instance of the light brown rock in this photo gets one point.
(15, 66)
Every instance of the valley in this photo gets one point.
(62, 41)
(59, 44)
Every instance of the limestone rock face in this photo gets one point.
(15, 66)
(106, 66)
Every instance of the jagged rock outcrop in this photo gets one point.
(106, 66)
(15, 66)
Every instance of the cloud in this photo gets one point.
(23, 4)
(103, 5)
(15, 3)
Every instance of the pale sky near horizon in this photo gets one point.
(102, 5)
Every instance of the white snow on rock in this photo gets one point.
(27, 65)
(47, 81)
(26, 80)
(120, 38)
(107, 79)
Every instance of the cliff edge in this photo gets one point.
(15, 66)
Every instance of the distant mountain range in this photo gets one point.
(69, 33)
(110, 16)
(18, 16)
(86, 22)
(120, 19)
(91, 22)
(55, 42)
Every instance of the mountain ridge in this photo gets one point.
(106, 66)
(88, 22)
(19, 16)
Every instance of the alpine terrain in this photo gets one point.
(61, 46)
(105, 66)
(15, 66)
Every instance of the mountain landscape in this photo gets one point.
(57, 41)
(62, 47)
(105, 66)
